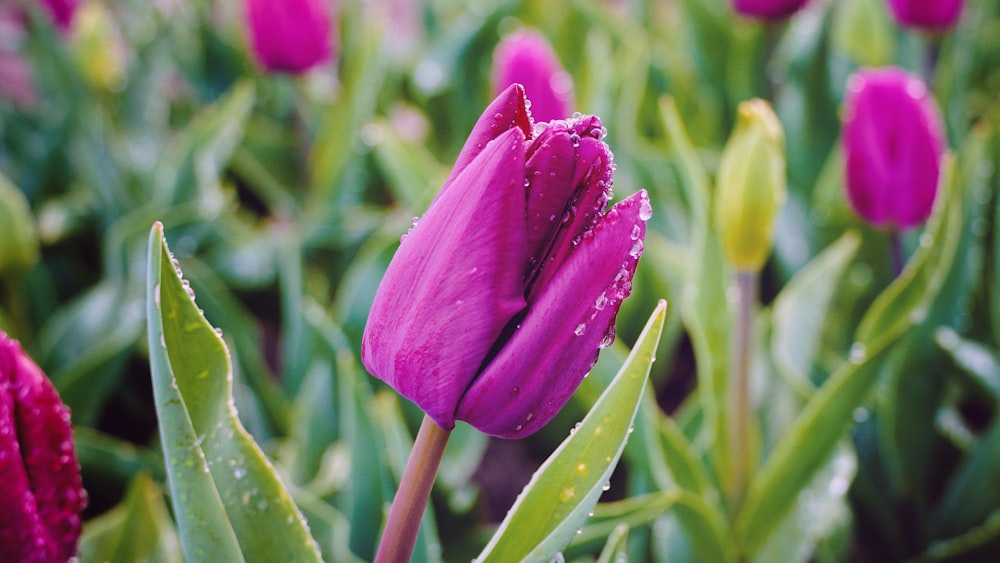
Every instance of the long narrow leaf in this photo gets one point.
(224, 490)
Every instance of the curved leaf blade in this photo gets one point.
(224, 490)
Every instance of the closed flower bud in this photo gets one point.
(862, 31)
(290, 35)
(61, 12)
(751, 186)
(526, 58)
(893, 144)
(42, 496)
(99, 47)
(926, 14)
(498, 300)
(772, 10)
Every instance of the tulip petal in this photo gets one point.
(42, 495)
(508, 111)
(592, 186)
(453, 285)
(557, 343)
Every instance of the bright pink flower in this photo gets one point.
(926, 14)
(526, 58)
(41, 496)
(768, 9)
(498, 300)
(61, 11)
(290, 35)
(893, 143)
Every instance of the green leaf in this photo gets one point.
(810, 440)
(18, 239)
(199, 158)
(223, 489)
(617, 547)
(139, 529)
(555, 503)
(976, 544)
(800, 311)
(703, 305)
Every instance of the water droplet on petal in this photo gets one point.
(580, 329)
(645, 210)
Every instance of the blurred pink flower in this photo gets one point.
(893, 144)
(768, 9)
(926, 14)
(526, 58)
(499, 299)
(61, 11)
(290, 35)
(17, 80)
(42, 495)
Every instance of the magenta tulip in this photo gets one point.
(290, 35)
(498, 300)
(926, 14)
(893, 144)
(42, 496)
(772, 10)
(61, 12)
(526, 58)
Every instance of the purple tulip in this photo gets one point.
(526, 58)
(290, 35)
(61, 12)
(772, 10)
(926, 14)
(42, 497)
(893, 143)
(498, 300)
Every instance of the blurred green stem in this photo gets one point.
(741, 419)
(400, 533)
(896, 251)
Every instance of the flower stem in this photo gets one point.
(742, 416)
(896, 249)
(400, 533)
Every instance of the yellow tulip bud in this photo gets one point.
(98, 47)
(751, 185)
(18, 242)
(862, 31)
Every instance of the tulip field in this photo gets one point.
(578, 281)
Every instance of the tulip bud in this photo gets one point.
(61, 12)
(18, 241)
(42, 495)
(290, 35)
(893, 144)
(772, 10)
(99, 49)
(498, 300)
(862, 31)
(751, 186)
(926, 14)
(526, 58)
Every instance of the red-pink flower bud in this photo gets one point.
(290, 35)
(768, 9)
(498, 300)
(41, 496)
(926, 14)
(61, 11)
(526, 58)
(893, 144)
